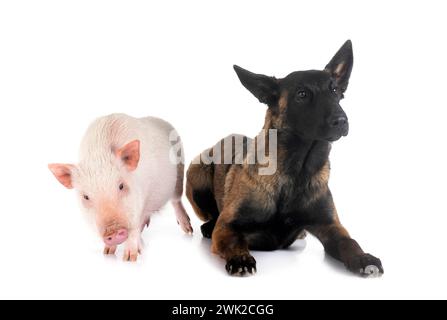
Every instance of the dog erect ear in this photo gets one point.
(341, 65)
(265, 88)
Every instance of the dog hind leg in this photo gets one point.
(199, 186)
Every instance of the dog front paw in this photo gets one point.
(242, 265)
(208, 228)
(365, 265)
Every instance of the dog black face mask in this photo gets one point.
(307, 102)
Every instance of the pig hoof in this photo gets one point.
(109, 250)
(186, 226)
(131, 255)
(182, 217)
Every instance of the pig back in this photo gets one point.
(158, 169)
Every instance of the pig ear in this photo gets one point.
(63, 173)
(130, 154)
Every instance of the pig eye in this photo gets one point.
(121, 186)
(86, 197)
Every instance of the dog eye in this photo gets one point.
(301, 94)
(86, 197)
(121, 186)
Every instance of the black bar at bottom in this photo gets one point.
(225, 309)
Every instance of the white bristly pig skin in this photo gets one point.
(128, 170)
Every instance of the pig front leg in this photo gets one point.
(182, 217)
(133, 246)
(109, 250)
(180, 212)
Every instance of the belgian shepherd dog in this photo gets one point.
(245, 209)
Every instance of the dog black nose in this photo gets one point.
(339, 122)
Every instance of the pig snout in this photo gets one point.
(115, 237)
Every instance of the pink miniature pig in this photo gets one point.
(125, 174)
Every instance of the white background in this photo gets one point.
(64, 63)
